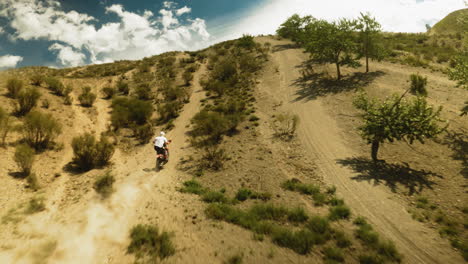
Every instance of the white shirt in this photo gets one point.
(160, 141)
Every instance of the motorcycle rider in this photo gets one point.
(160, 144)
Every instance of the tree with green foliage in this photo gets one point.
(332, 42)
(293, 27)
(369, 31)
(418, 85)
(397, 119)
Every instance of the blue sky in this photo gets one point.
(64, 33)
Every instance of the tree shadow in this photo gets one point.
(390, 175)
(458, 142)
(278, 48)
(18, 175)
(312, 85)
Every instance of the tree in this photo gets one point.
(369, 30)
(397, 119)
(332, 42)
(293, 27)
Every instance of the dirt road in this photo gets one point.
(321, 137)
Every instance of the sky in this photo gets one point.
(68, 33)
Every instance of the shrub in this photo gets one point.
(24, 158)
(143, 91)
(14, 87)
(246, 42)
(342, 239)
(103, 184)
(56, 86)
(332, 253)
(213, 157)
(319, 225)
(214, 197)
(143, 133)
(37, 79)
(296, 185)
(236, 259)
(243, 194)
(87, 97)
(300, 241)
(285, 125)
(148, 242)
(89, 153)
(33, 183)
(122, 87)
(388, 250)
(339, 212)
(6, 125)
(39, 129)
(130, 111)
(108, 92)
(45, 104)
(368, 236)
(371, 259)
(418, 85)
(192, 186)
(168, 111)
(187, 76)
(35, 205)
(27, 100)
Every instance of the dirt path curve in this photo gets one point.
(321, 137)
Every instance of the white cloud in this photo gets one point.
(183, 10)
(67, 55)
(9, 61)
(132, 36)
(394, 15)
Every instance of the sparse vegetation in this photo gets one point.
(109, 92)
(14, 87)
(35, 205)
(87, 97)
(24, 158)
(104, 183)
(150, 244)
(6, 125)
(128, 112)
(285, 125)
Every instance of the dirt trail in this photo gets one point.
(95, 230)
(321, 137)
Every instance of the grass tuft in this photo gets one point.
(147, 242)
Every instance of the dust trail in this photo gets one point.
(102, 222)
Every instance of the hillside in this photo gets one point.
(267, 164)
(451, 24)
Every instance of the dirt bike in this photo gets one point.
(162, 159)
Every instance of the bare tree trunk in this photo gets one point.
(367, 63)
(374, 150)
(338, 72)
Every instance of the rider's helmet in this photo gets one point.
(162, 134)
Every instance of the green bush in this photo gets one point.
(143, 133)
(122, 87)
(342, 240)
(33, 183)
(246, 42)
(103, 184)
(319, 225)
(147, 242)
(236, 259)
(332, 253)
(37, 79)
(127, 112)
(143, 91)
(109, 92)
(244, 194)
(90, 153)
(40, 129)
(339, 212)
(371, 259)
(168, 111)
(187, 76)
(214, 197)
(35, 205)
(87, 97)
(300, 241)
(297, 186)
(213, 157)
(24, 158)
(14, 87)
(27, 100)
(56, 86)
(193, 186)
(418, 85)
